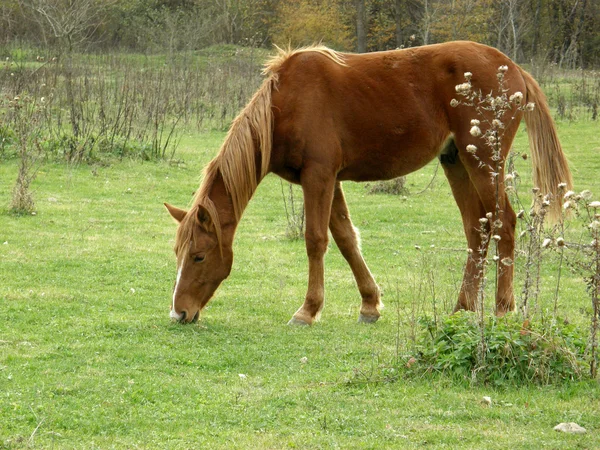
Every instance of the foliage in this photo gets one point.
(308, 22)
(565, 32)
(514, 352)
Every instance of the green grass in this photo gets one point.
(89, 358)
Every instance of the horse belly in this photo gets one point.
(390, 155)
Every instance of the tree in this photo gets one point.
(307, 22)
(361, 26)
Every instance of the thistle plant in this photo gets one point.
(534, 231)
(492, 111)
(588, 262)
(294, 212)
(25, 114)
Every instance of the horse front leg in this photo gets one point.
(318, 187)
(346, 238)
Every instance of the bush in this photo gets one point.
(397, 186)
(504, 352)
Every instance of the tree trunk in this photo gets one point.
(536, 29)
(361, 26)
(398, 20)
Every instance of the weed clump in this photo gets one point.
(515, 352)
(397, 186)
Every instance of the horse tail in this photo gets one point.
(550, 166)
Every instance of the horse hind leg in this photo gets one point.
(483, 194)
(471, 210)
(347, 240)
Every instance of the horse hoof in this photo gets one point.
(297, 322)
(367, 319)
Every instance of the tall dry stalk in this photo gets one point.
(25, 118)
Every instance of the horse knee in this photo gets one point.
(316, 246)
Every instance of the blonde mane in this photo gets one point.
(274, 63)
(249, 136)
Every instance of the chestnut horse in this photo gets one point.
(322, 117)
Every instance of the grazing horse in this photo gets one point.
(321, 117)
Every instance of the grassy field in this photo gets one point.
(89, 358)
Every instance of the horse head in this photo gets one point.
(202, 263)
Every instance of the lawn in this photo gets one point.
(90, 359)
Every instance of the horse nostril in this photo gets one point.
(196, 316)
(183, 316)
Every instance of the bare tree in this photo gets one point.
(398, 20)
(570, 49)
(428, 19)
(72, 23)
(361, 26)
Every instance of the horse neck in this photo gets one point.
(223, 202)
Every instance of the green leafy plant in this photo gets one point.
(515, 352)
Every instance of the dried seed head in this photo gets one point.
(496, 258)
(507, 261)
(524, 155)
(517, 98)
(562, 186)
(503, 69)
(535, 190)
(586, 195)
(496, 237)
(489, 216)
(530, 106)
(560, 242)
(454, 103)
(521, 214)
(468, 76)
(595, 225)
(463, 88)
(566, 205)
(497, 123)
(595, 204)
(568, 195)
(475, 122)
(546, 243)
(483, 221)
(475, 131)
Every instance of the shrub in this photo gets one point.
(513, 352)
(397, 186)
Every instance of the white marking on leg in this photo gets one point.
(358, 239)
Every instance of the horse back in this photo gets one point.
(379, 115)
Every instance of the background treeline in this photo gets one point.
(565, 32)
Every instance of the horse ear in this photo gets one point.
(203, 218)
(176, 213)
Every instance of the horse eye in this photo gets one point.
(198, 259)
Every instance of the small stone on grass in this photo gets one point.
(570, 427)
